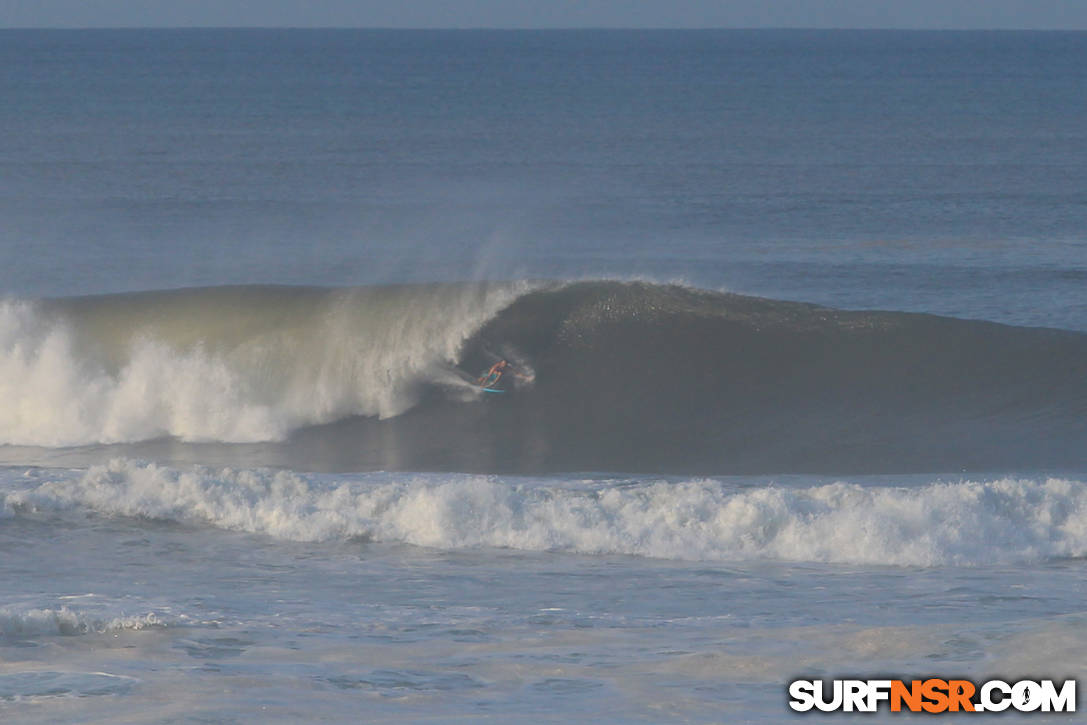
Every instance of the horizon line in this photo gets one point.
(562, 28)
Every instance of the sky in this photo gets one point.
(952, 14)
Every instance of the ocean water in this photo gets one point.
(800, 327)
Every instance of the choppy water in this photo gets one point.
(248, 277)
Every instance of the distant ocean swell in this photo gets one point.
(967, 523)
(627, 376)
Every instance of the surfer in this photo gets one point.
(490, 378)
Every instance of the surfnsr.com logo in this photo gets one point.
(932, 695)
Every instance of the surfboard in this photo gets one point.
(492, 390)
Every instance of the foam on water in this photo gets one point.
(1005, 520)
(31, 686)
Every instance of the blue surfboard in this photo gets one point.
(492, 390)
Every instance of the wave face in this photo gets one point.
(963, 523)
(627, 376)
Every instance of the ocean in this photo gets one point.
(798, 331)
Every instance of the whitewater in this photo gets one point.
(800, 334)
(490, 596)
(1010, 521)
(225, 364)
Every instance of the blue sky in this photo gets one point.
(1048, 14)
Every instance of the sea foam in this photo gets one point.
(1006, 520)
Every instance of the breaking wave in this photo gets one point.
(228, 364)
(32, 623)
(1005, 520)
(628, 376)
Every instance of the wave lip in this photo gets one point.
(964, 523)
